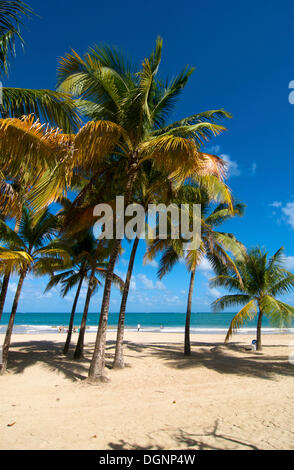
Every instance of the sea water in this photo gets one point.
(201, 322)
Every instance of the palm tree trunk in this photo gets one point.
(4, 293)
(80, 344)
(258, 331)
(6, 278)
(187, 350)
(72, 316)
(119, 357)
(97, 367)
(7, 339)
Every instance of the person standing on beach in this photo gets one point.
(139, 327)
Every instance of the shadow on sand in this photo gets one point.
(230, 359)
(187, 440)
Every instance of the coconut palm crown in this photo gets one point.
(261, 281)
(215, 245)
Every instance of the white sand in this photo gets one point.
(219, 398)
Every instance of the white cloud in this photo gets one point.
(147, 283)
(276, 204)
(213, 292)
(124, 262)
(215, 149)
(233, 167)
(159, 285)
(41, 295)
(133, 285)
(12, 287)
(205, 265)
(152, 263)
(83, 293)
(253, 168)
(288, 210)
(289, 263)
(171, 300)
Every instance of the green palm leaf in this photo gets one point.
(59, 109)
(246, 314)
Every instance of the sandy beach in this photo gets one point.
(222, 397)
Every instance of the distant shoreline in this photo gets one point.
(53, 329)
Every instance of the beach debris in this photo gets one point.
(95, 436)
(11, 424)
(174, 402)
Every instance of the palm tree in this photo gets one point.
(129, 113)
(214, 244)
(261, 280)
(87, 262)
(23, 138)
(150, 187)
(50, 106)
(12, 199)
(98, 267)
(68, 279)
(9, 262)
(31, 239)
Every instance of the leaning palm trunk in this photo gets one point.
(6, 278)
(3, 294)
(7, 339)
(258, 331)
(80, 344)
(72, 316)
(119, 357)
(96, 371)
(187, 351)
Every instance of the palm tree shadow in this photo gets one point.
(49, 353)
(124, 445)
(224, 359)
(190, 441)
(230, 359)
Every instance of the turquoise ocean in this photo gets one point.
(202, 322)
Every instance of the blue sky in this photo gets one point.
(244, 58)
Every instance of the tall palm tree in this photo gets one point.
(12, 200)
(87, 264)
(31, 239)
(10, 260)
(150, 187)
(98, 268)
(214, 245)
(72, 275)
(129, 120)
(68, 280)
(262, 280)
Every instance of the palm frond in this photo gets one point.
(58, 109)
(279, 313)
(227, 301)
(246, 314)
(11, 15)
